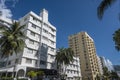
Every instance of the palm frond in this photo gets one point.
(12, 39)
(2, 40)
(103, 6)
(64, 56)
(116, 39)
(4, 28)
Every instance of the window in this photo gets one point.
(74, 66)
(45, 45)
(52, 64)
(52, 56)
(25, 19)
(32, 33)
(36, 54)
(34, 19)
(29, 61)
(9, 63)
(16, 61)
(45, 31)
(67, 71)
(39, 22)
(46, 25)
(36, 62)
(52, 42)
(52, 36)
(29, 51)
(52, 49)
(74, 72)
(45, 38)
(34, 26)
(42, 62)
(52, 30)
(31, 41)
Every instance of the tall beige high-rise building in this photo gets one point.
(83, 46)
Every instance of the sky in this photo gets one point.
(73, 16)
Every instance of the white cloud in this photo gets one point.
(4, 11)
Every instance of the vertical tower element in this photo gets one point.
(44, 15)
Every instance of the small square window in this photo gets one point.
(32, 33)
(52, 42)
(52, 49)
(52, 56)
(34, 26)
(29, 61)
(30, 51)
(31, 41)
(9, 63)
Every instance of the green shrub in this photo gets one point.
(32, 74)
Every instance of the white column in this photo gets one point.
(24, 73)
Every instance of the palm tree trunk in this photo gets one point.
(65, 72)
(59, 69)
(7, 61)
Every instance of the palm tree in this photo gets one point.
(106, 73)
(114, 75)
(64, 57)
(103, 6)
(97, 77)
(116, 39)
(32, 74)
(40, 75)
(12, 39)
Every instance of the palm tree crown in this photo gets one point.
(12, 39)
(103, 6)
(116, 39)
(64, 56)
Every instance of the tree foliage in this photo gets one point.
(103, 6)
(100, 11)
(63, 58)
(32, 74)
(116, 39)
(12, 39)
(106, 73)
(40, 73)
(114, 75)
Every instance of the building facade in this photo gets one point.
(5, 21)
(73, 71)
(107, 63)
(40, 49)
(83, 45)
(100, 66)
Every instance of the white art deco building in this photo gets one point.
(73, 71)
(40, 49)
(100, 65)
